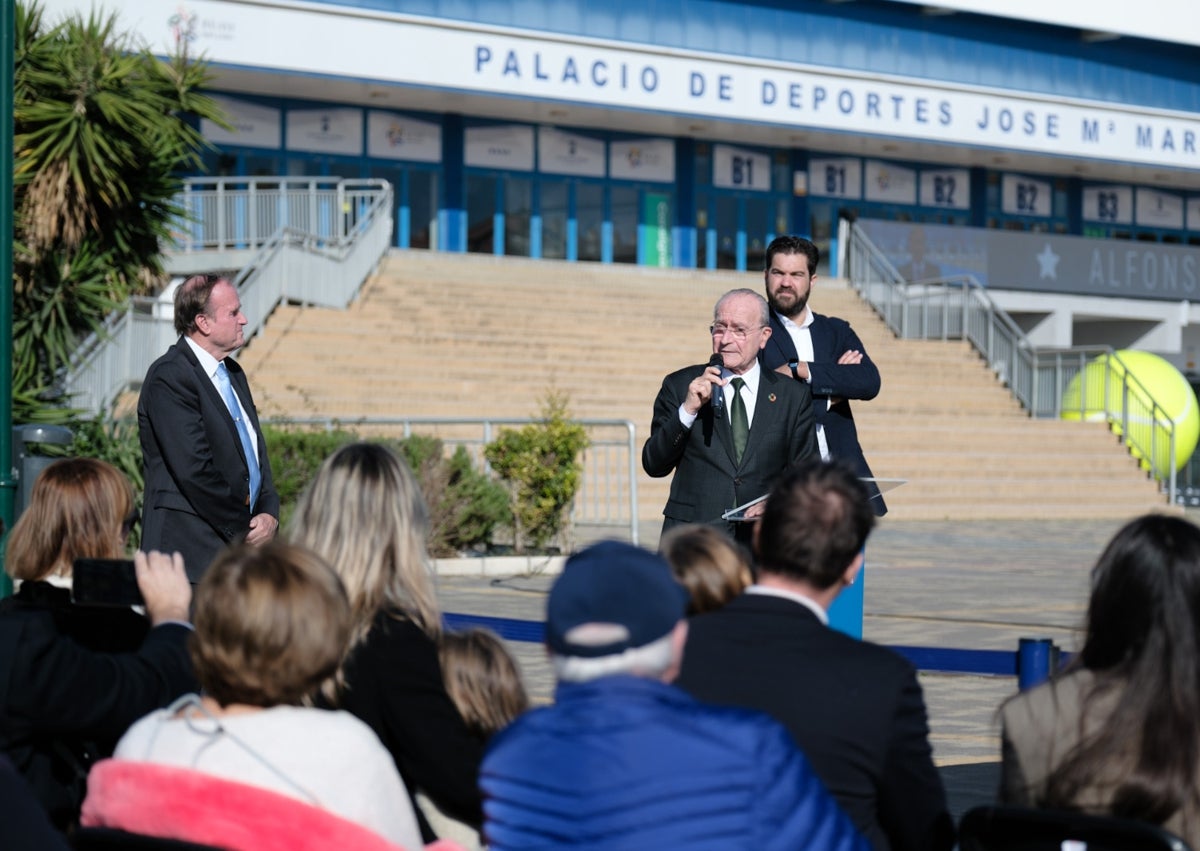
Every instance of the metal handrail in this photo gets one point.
(959, 307)
(325, 267)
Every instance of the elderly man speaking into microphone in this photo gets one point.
(729, 428)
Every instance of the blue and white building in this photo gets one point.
(688, 133)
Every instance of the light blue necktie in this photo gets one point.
(235, 411)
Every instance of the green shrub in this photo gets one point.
(465, 506)
(296, 455)
(541, 465)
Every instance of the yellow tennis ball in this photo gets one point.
(1087, 398)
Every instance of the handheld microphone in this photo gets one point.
(718, 393)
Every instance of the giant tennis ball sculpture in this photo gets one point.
(1162, 381)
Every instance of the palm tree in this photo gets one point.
(102, 131)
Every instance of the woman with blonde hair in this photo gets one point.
(365, 515)
(74, 677)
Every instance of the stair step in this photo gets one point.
(464, 336)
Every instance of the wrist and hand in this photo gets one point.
(164, 586)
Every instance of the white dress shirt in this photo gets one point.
(749, 395)
(209, 364)
(802, 338)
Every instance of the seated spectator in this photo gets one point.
(1118, 731)
(622, 759)
(73, 678)
(272, 623)
(710, 565)
(854, 708)
(484, 682)
(364, 514)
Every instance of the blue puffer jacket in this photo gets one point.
(630, 763)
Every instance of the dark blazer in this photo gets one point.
(707, 481)
(394, 684)
(197, 481)
(831, 338)
(854, 708)
(72, 680)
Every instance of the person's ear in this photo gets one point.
(678, 642)
(851, 572)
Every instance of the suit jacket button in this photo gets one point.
(737, 480)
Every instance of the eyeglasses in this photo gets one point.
(734, 331)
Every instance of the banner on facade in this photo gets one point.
(392, 136)
(1109, 204)
(642, 159)
(325, 131)
(562, 152)
(254, 125)
(890, 183)
(1040, 262)
(739, 168)
(656, 230)
(506, 146)
(1159, 209)
(949, 188)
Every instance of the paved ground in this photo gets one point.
(972, 585)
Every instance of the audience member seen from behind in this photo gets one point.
(854, 708)
(272, 623)
(484, 682)
(73, 678)
(623, 759)
(1118, 731)
(708, 564)
(365, 515)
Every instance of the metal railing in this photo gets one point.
(608, 492)
(223, 213)
(960, 308)
(352, 228)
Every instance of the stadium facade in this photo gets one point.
(687, 133)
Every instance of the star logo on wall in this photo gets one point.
(1048, 263)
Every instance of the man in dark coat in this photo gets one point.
(208, 478)
(698, 440)
(854, 708)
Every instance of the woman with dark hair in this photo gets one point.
(365, 515)
(1119, 731)
(73, 677)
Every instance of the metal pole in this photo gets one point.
(8, 484)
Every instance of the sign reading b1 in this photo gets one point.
(737, 168)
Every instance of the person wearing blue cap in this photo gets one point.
(623, 759)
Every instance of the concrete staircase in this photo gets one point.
(442, 335)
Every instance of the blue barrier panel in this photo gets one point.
(510, 628)
(950, 660)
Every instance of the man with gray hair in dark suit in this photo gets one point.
(729, 428)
